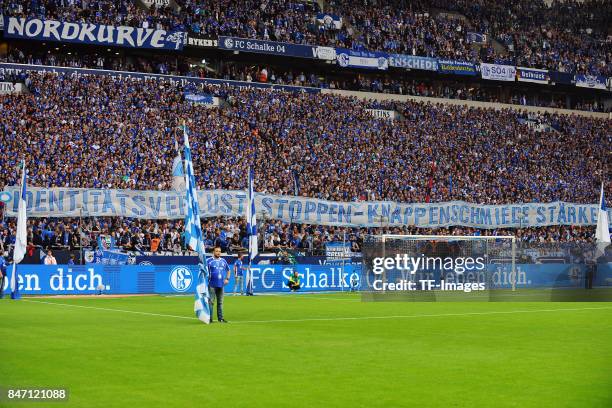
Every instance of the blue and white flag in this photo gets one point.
(347, 58)
(496, 72)
(251, 230)
(95, 34)
(178, 175)
(476, 38)
(193, 237)
(330, 21)
(21, 237)
(602, 233)
(591, 81)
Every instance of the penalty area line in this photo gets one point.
(324, 319)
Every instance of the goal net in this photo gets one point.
(439, 263)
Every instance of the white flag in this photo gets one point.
(21, 238)
(602, 233)
(178, 175)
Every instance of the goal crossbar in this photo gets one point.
(454, 237)
(511, 238)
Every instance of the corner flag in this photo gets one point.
(251, 231)
(21, 238)
(193, 237)
(602, 233)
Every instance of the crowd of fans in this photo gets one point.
(167, 236)
(371, 82)
(568, 36)
(100, 132)
(127, 127)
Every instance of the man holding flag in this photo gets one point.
(219, 272)
(193, 237)
(21, 238)
(251, 231)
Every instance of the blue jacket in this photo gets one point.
(3, 265)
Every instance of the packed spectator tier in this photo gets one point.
(566, 36)
(379, 82)
(100, 132)
(165, 236)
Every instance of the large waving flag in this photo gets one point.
(178, 175)
(602, 233)
(21, 239)
(251, 231)
(193, 237)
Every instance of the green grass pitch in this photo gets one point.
(328, 350)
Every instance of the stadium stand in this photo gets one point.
(94, 131)
(75, 128)
(573, 39)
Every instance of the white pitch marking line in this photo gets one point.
(323, 319)
(308, 296)
(109, 309)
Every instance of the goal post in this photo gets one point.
(445, 260)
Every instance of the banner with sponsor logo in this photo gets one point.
(266, 47)
(324, 53)
(18, 69)
(446, 66)
(413, 62)
(332, 21)
(68, 202)
(87, 33)
(383, 114)
(538, 76)
(177, 279)
(134, 279)
(362, 59)
(494, 72)
(193, 40)
(591, 81)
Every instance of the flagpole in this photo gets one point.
(82, 261)
(21, 237)
(15, 295)
(194, 237)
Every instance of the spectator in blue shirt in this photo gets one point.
(239, 269)
(219, 274)
(3, 268)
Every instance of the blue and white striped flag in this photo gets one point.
(193, 237)
(21, 237)
(251, 231)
